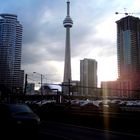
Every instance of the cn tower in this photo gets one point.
(67, 66)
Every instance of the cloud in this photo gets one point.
(93, 34)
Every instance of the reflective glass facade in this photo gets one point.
(128, 46)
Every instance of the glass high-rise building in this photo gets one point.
(11, 74)
(128, 47)
(128, 53)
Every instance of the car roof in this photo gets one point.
(16, 107)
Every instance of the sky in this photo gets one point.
(93, 35)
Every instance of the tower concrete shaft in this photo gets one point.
(67, 66)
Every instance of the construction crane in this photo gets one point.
(126, 13)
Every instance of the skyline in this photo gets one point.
(94, 34)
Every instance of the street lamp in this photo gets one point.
(26, 86)
(40, 82)
(41, 85)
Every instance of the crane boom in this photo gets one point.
(125, 13)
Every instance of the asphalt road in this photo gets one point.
(62, 131)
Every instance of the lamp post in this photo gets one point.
(40, 83)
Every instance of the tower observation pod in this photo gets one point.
(68, 21)
(67, 63)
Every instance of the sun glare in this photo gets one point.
(107, 70)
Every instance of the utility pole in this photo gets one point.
(25, 87)
(69, 90)
(41, 87)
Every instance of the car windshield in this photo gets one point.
(16, 109)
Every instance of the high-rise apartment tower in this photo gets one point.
(88, 76)
(10, 53)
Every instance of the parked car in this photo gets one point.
(18, 119)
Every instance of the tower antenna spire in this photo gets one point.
(68, 8)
